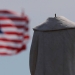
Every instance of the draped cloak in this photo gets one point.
(53, 48)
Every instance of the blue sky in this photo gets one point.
(38, 11)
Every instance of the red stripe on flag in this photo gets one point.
(7, 40)
(8, 12)
(14, 33)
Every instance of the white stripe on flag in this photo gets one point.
(4, 50)
(11, 44)
(12, 22)
(9, 29)
(11, 37)
(9, 15)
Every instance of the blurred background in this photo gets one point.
(38, 11)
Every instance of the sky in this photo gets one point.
(38, 11)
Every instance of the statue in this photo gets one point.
(53, 48)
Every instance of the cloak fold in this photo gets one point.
(33, 53)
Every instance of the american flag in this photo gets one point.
(14, 32)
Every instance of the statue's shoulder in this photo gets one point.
(41, 27)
